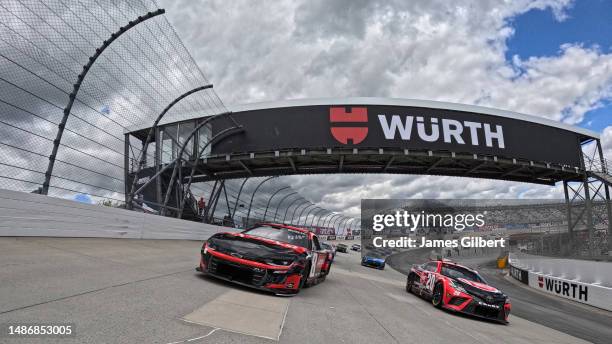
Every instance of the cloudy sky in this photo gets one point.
(546, 58)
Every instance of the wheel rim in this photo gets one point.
(437, 296)
(305, 274)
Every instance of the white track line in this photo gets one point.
(196, 338)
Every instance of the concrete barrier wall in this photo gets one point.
(538, 276)
(24, 214)
(571, 269)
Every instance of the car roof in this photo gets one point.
(280, 225)
(448, 262)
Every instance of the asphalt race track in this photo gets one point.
(570, 317)
(147, 291)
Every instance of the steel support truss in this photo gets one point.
(589, 209)
(181, 169)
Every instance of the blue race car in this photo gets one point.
(373, 262)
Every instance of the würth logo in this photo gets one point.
(345, 124)
(570, 290)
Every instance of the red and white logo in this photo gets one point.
(339, 118)
(541, 281)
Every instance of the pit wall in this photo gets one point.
(25, 214)
(576, 280)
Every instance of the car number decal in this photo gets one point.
(313, 265)
(431, 280)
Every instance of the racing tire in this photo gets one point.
(410, 283)
(304, 279)
(437, 295)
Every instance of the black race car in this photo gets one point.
(342, 248)
(277, 258)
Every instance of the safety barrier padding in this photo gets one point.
(593, 294)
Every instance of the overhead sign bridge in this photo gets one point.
(371, 135)
(361, 135)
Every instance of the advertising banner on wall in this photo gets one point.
(324, 231)
(594, 295)
(519, 274)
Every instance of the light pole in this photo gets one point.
(290, 204)
(253, 196)
(270, 200)
(281, 202)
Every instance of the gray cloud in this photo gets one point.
(439, 50)
(271, 50)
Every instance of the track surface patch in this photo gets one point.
(244, 312)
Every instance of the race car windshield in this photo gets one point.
(286, 235)
(457, 272)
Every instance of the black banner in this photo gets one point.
(349, 237)
(519, 274)
(399, 127)
(331, 237)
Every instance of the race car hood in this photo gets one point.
(254, 248)
(480, 286)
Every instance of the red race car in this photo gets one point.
(277, 258)
(458, 288)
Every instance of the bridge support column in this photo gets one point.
(154, 131)
(589, 208)
(605, 169)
